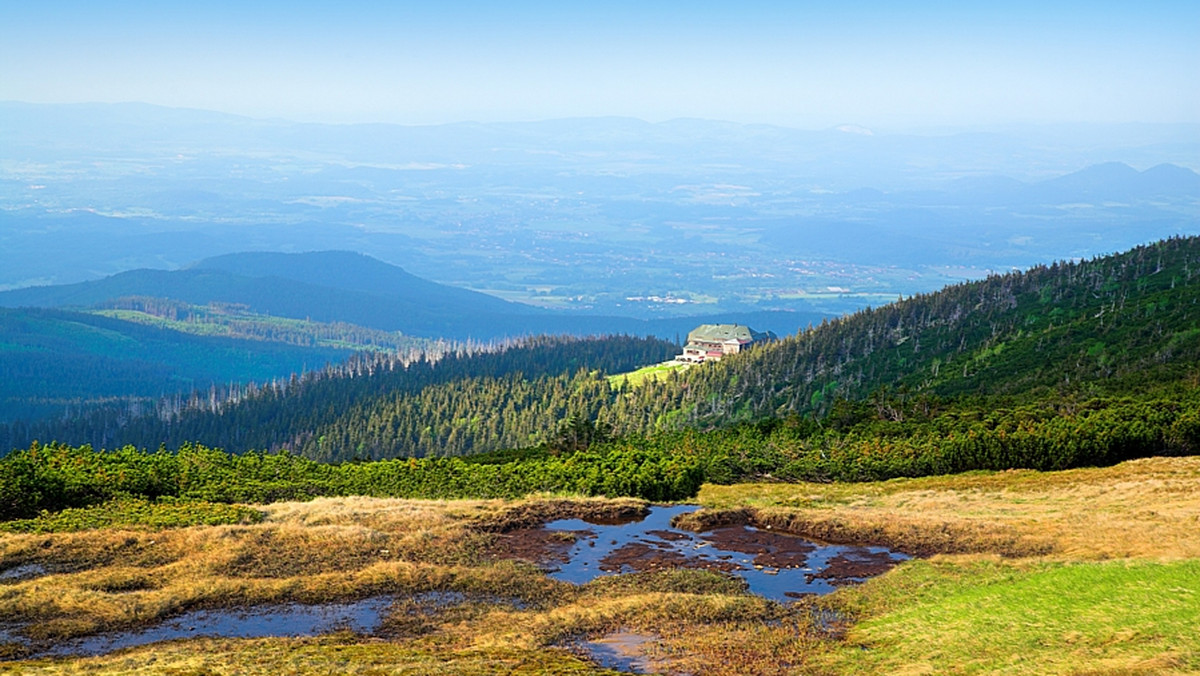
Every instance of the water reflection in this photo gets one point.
(292, 619)
(620, 651)
(775, 565)
(23, 572)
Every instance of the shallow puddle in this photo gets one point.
(369, 616)
(620, 651)
(292, 619)
(775, 565)
(27, 571)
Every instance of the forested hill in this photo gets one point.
(1127, 324)
(458, 416)
(53, 362)
(1121, 324)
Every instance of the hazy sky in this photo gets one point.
(805, 64)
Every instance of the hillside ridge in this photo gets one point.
(1125, 324)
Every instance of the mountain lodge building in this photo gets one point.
(710, 342)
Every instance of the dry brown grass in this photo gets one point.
(740, 649)
(327, 656)
(327, 549)
(1005, 534)
(1144, 508)
(333, 549)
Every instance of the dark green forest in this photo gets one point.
(1067, 365)
(55, 362)
(304, 413)
(1121, 325)
(857, 441)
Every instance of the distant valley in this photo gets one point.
(251, 365)
(257, 317)
(603, 216)
(586, 339)
(199, 252)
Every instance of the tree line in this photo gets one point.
(1121, 325)
(856, 441)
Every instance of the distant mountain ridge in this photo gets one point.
(585, 214)
(357, 273)
(1107, 180)
(323, 286)
(1117, 179)
(342, 286)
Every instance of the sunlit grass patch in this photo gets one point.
(993, 616)
(653, 372)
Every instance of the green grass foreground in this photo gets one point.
(999, 617)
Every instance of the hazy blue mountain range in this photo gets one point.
(606, 216)
(338, 286)
(327, 286)
(357, 273)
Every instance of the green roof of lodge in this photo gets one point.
(721, 332)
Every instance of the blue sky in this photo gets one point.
(803, 64)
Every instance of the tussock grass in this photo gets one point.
(1146, 508)
(540, 509)
(594, 614)
(740, 649)
(307, 552)
(340, 654)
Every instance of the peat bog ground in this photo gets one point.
(1083, 571)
